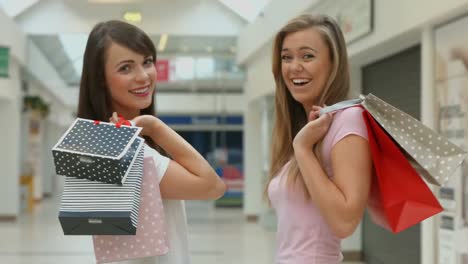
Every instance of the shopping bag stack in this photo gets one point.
(404, 151)
(103, 166)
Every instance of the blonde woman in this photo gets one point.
(321, 167)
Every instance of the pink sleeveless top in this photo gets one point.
(303, 235)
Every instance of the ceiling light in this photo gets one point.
(162, 42)
(209, 49)
(132, 17)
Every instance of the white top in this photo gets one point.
(176, 220)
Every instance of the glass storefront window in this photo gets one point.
(184, 68)
(204, 68)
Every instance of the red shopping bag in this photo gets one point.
(399, 198)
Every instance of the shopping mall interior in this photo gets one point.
(216, 89)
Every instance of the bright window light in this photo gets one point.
(74, 45)
(184, 68)
(204, 68)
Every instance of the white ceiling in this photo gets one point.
(176, 17)
(248, 10)
(14, 8)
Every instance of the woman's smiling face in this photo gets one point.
(305, 65)
(130, 78)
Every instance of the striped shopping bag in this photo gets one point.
(95, 208)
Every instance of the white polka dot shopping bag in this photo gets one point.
(97, 151)
(434, 157)
(96, 208)
(151, 236)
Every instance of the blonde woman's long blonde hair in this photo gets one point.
(290, 115)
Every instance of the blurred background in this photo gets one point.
(215, 88)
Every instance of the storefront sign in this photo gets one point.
(4, 60)
(162, 68)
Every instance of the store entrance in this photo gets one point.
(396, 80)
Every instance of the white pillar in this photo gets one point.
(10, 116)
(253, 185)
(429, 238)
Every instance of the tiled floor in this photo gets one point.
(216, 236)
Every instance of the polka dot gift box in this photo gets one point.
(434, 157)
(97, 151)
(95, 208)
(151, 236)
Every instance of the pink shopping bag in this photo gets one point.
(151, 235)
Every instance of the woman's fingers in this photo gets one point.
(316, 108)
(114, 118)
(313, 115)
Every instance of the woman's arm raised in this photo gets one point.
(189, 176)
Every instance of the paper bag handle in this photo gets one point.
(341, 105)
